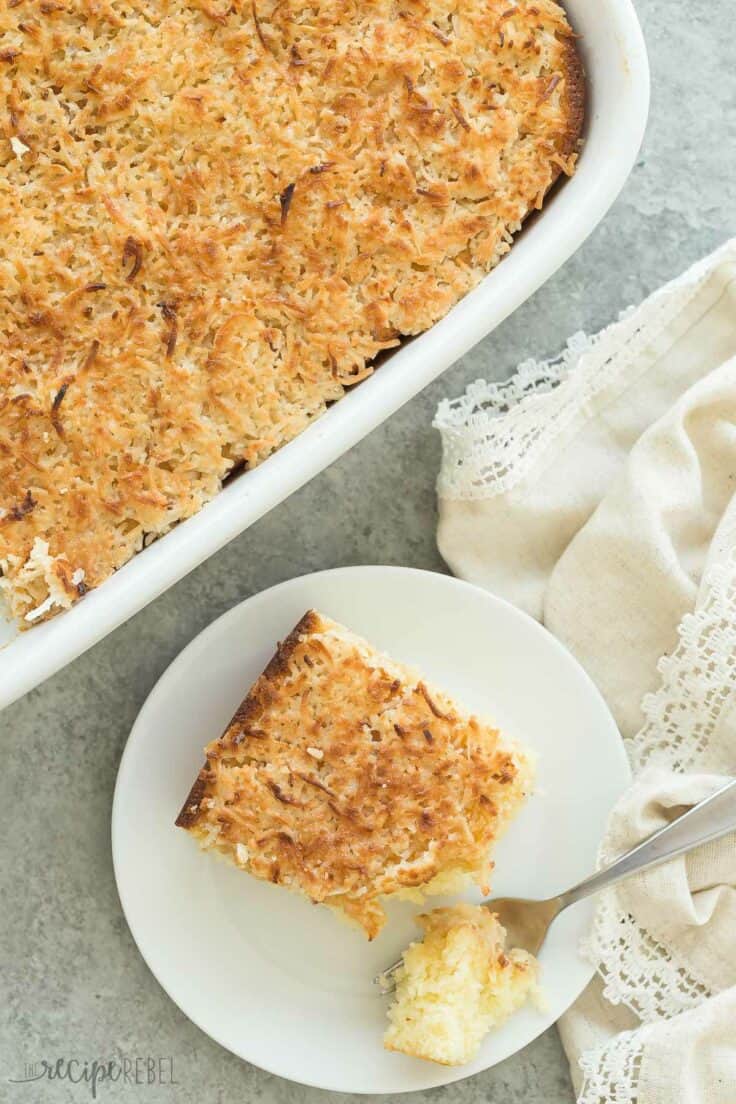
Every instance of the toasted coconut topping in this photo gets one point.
(132, 252)
(58, 399)
(301, 183)
(17, 512)
(18, 147)
(285, 199)
(356, 782)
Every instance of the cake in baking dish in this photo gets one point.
(216, 213)
(457, 984)
(345, 777)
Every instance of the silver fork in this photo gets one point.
(527, 922)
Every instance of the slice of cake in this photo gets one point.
(455, 985)
(344, 776)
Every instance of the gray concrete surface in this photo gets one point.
(72, 982)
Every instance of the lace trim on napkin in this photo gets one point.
(636, 970)
(682, 719)
(698, 684)
(611, 1073)
(494, 434)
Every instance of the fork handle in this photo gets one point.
(710, 819)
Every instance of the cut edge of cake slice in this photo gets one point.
(457, 984)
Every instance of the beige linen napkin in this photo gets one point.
(598, 492)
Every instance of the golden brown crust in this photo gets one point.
(190, 810)
(250, 706)
(574, 99)
(215, 218)
(279, 663)
(344, 776)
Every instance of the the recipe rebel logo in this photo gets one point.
(94, 1073)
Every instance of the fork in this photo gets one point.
(527, 922)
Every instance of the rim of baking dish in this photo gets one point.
(618, 88)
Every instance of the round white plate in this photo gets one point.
(285, 984)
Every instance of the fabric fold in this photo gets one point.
(598, 492)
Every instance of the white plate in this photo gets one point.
(617, 103)
(272, 978)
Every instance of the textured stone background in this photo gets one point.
(72, 981)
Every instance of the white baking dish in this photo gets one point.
(618, 98)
